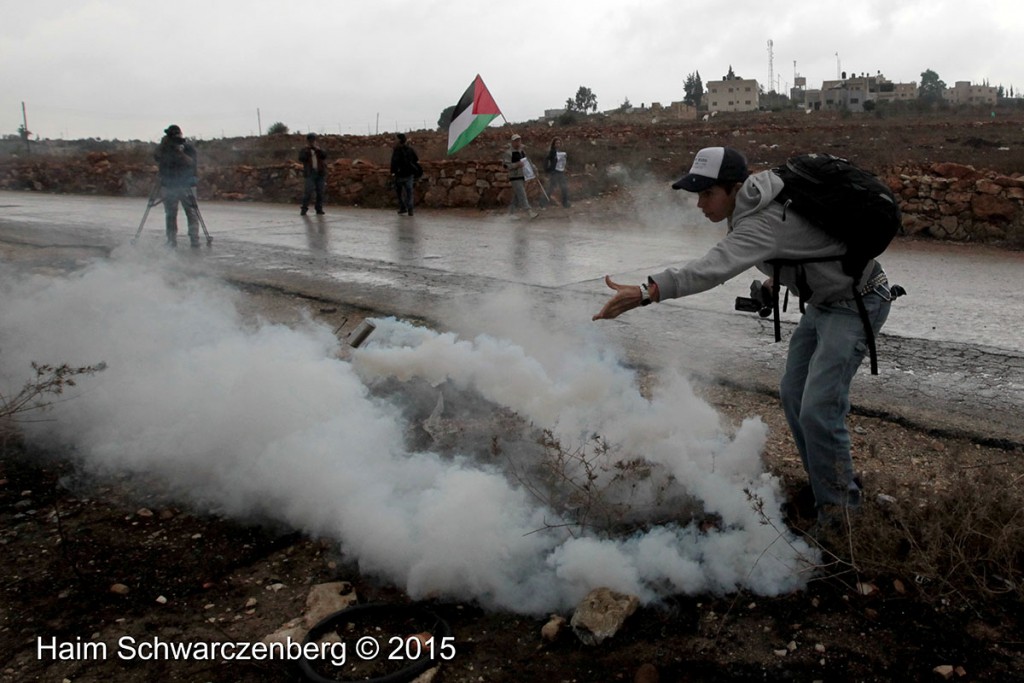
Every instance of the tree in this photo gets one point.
(731, 76)
(445, 120)
(931, 88)
(23, 132)
(585, 101)
(694, 89)
(626, 105)
(277, 128)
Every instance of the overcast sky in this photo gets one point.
(127, 68)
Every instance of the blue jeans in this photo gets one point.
(314, 186)
(825, 351)
(519, 199)
(558, 181)
(403, 188)
(172, 196)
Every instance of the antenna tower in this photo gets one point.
(771, 64)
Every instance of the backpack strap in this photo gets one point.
(777, 265)
(869, 333)
(776, 268)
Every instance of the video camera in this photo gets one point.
(759, 301)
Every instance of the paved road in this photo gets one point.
(951, 356)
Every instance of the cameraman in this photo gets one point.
(827, 346)
(178, 166)
(314, 169)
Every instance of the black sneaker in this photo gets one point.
(319, 212)
(410, 212)
(401, 212)
(303, 212)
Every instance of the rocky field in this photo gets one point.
(927, 586)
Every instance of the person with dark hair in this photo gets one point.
(830, 341)
(314, 170)
(554, 164)
(178, 165)
(403, 170)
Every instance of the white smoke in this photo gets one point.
(245, 419)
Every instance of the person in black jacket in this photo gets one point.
(554, 164)
(314, 170)
(404, 162)
(178, 166)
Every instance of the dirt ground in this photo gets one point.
(86, 562)
(66, 543)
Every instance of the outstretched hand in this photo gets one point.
(626, 297)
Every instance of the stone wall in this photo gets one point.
(350, 182)
(945, 201)
(956, 202)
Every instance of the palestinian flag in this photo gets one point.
(472, 114)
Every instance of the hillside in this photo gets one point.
(603, 151)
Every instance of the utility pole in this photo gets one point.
(24, 125)
(837, 66)
(259, 122)
(771, 63)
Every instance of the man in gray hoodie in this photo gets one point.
(830, 341)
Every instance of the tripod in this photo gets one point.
(155, 198)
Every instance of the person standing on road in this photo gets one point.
(403, 170)
(314, 170)
(515, 162)
(828, 344)
(178, 166)
(554, 164)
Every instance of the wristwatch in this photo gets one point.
(645, 295)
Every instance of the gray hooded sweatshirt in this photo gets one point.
(760, 230)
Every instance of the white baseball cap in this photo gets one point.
(713, 165)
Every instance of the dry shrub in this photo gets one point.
(966, 544)
(38, 394)
(592, 489)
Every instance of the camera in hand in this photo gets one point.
(759, 301)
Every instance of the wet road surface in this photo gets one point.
(951, 356)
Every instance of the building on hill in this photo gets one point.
(963, 92)
(733, 94)
(676, 111)
(851, 93)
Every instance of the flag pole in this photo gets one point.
(542, 190)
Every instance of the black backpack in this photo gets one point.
(417, 170)
(850, 204)
(845, 201)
